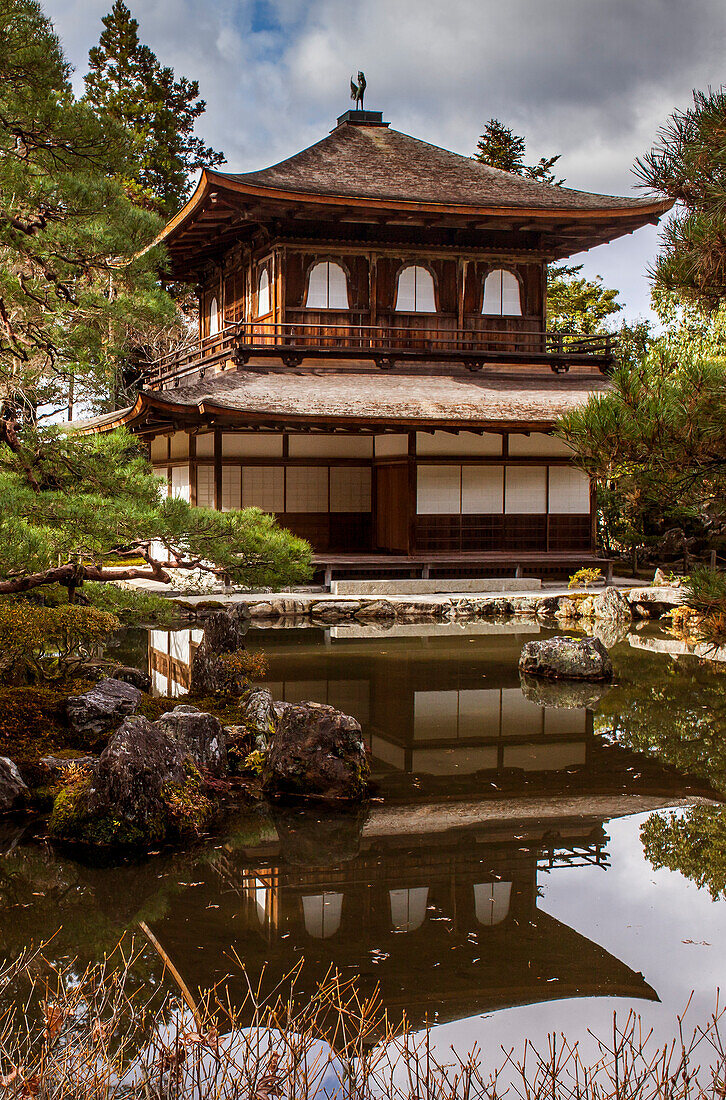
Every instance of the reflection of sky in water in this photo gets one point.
(643, 917)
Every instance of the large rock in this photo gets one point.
(13, 790)
(212, 672)
(259, 718)
(201, 734)
(101, 670)
(565, 658)
(317, 752)
(129, 782)
(652, 602)
(103, 707)
(612, 605)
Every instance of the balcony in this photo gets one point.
(402, 340)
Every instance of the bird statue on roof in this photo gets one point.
(357, 91)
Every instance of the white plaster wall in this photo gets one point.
(330, 446)
(159, 448)
(391, 446)
(465, 443)
(251, 445)
(205, 445)
(180, 445)
(537, 444)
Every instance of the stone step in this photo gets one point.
(413, 587)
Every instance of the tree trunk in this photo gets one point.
(70, 576)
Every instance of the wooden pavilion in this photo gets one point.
(372, 363)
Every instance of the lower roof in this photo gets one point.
(336, 398)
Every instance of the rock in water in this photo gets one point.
(102, 707)
(129, 780)
(612, 605)
(201, 734)
(12, 788)
(211, 674)
(258, 714)
(316, 752)
(565, 658)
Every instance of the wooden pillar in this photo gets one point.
(193, 470)
(461, 267)
(281, 277)
(412, 515)
(373, 289)
(218, 469)
(593, 515)
(547, 506)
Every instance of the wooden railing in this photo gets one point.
(386, 344)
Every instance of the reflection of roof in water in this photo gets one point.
(446, 925)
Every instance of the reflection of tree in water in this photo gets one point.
(675, 710)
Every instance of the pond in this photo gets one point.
(517, 871)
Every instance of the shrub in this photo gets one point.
(128, 605)
(705, 592)
(583, 578)
(45, 643)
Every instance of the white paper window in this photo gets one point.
(263, 293)
(264, 487)
(350, 489)
(180, 482)
(526, 490)
(438, 490)
(408, 908)
(482, 489)
(327, 287)
(307, 489)
(205, 486)
(415, 292)
(435, 715)
(491, 902)
(213, 317)
(322, 913)
(231, 487)
(502, 296)
(569, 491)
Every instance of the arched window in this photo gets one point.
(327, 287)
(501, 295)
(322, 913)
(408, 908)
(491, 902)
(213, 317)
(263, 293)
(415, 292)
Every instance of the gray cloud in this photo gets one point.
(591, 80)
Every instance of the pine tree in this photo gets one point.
(576, 304)
(73, 290)
(500, 147)
(127, 84)
(687, 166)
(72, 504)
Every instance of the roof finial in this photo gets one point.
(357, 91)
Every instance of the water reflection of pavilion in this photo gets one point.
(446, 924)
(427, 703)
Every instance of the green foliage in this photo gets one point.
(656, 441)
(577, 304)
(500, 147)
(687, 166)
(584, 577)
(73, 502)
(255, 762)
(127, 84)
(46, 642)
(73, 290)
(693, 843)
(130, 606)
(705, 591)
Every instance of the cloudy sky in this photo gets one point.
(591, 79)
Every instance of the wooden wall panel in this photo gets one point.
(390, 495)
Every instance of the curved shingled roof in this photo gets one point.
(373, 161)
